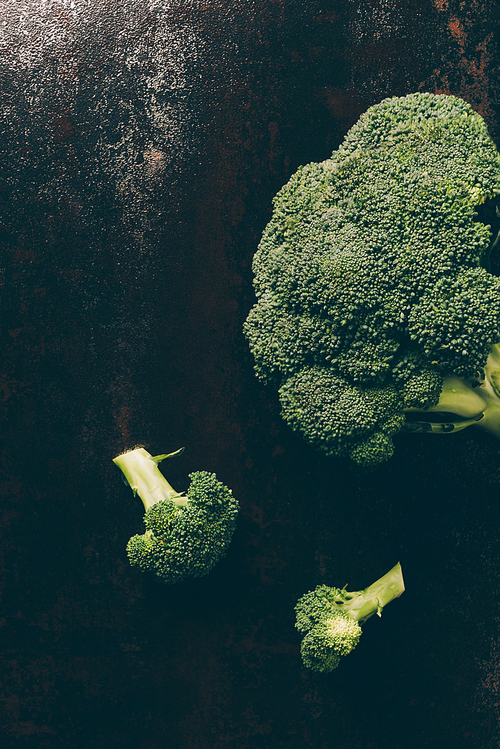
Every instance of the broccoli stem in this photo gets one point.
(474, 402)
(141, 472)
(490, 393)
(363, 604)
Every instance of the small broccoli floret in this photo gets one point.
(372, 277)
(330, 618)
(186, 535)
(422, 388)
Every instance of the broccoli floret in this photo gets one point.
(372, 280)
(186, 535)
(340, 418)
(330, 618)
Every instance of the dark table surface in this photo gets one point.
(142, 143)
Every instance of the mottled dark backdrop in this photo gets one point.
(141, 144)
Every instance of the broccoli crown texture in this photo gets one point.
(333, 636)
(330, 618)
(185, 535)
(371, 276)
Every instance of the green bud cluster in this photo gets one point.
(371, 273)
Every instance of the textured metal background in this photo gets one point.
(141, 145)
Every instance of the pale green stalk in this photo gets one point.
(141, 472)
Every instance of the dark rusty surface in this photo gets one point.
(141, 146)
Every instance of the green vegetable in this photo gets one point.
(186, 535)
(330, 618)
(463, 403)
(372, 281)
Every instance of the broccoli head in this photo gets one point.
(330, 619)
(372, 278)
(186, 535)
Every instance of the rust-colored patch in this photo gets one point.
(470, 76)
(457, 31)
(62, 128)
(154, 160)
(122, 422)
(344, 105)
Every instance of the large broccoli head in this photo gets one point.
(371, 275)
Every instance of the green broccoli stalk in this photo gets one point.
(330, 618)
(186, 535)
(463, 403)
